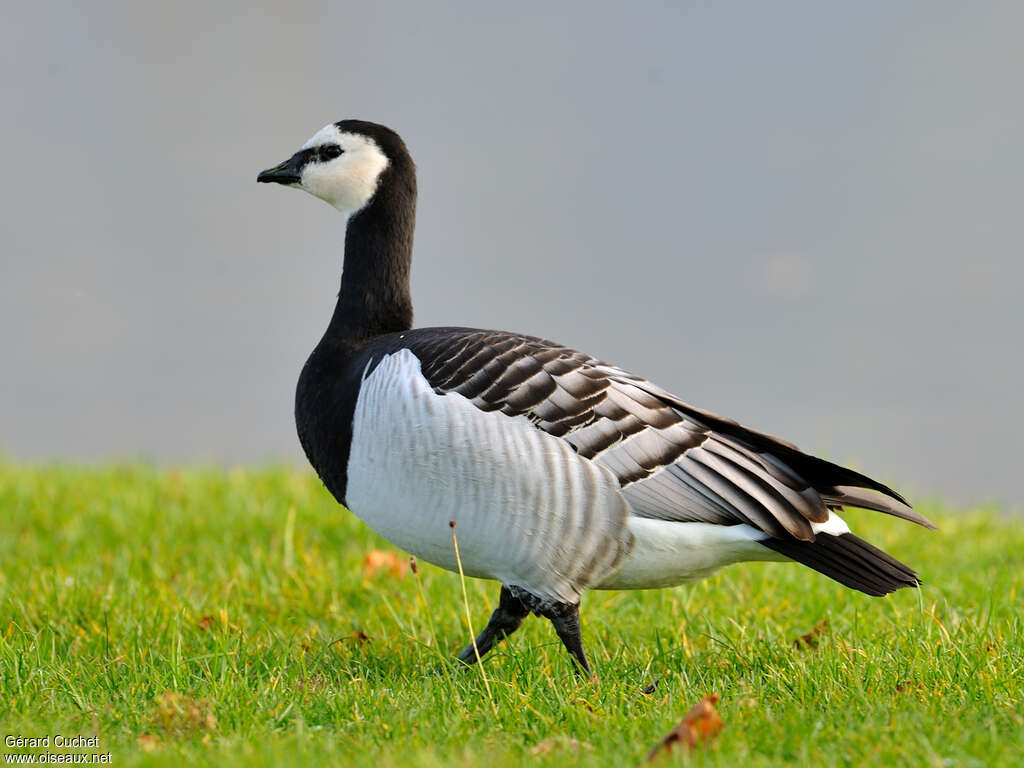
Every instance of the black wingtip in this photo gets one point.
(851, 496)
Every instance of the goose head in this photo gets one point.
(345, 164)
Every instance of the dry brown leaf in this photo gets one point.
(810, 640)
(699, 725)
(147, 743)
(358, 636)
(380, 559)
(543, 747)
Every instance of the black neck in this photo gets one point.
(375, 297)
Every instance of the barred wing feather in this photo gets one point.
(673, 461)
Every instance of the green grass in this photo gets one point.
(201, 616)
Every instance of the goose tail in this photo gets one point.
(849, 560)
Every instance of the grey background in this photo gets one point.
(806, 216)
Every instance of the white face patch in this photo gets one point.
(349, 181)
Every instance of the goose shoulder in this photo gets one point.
(529, 511)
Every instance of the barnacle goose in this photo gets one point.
(563, 473)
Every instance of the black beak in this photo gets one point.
(288, 172)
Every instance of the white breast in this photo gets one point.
(528, 510)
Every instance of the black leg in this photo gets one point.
(504, 621)
(566, 618)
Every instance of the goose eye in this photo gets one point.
(330, 151)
